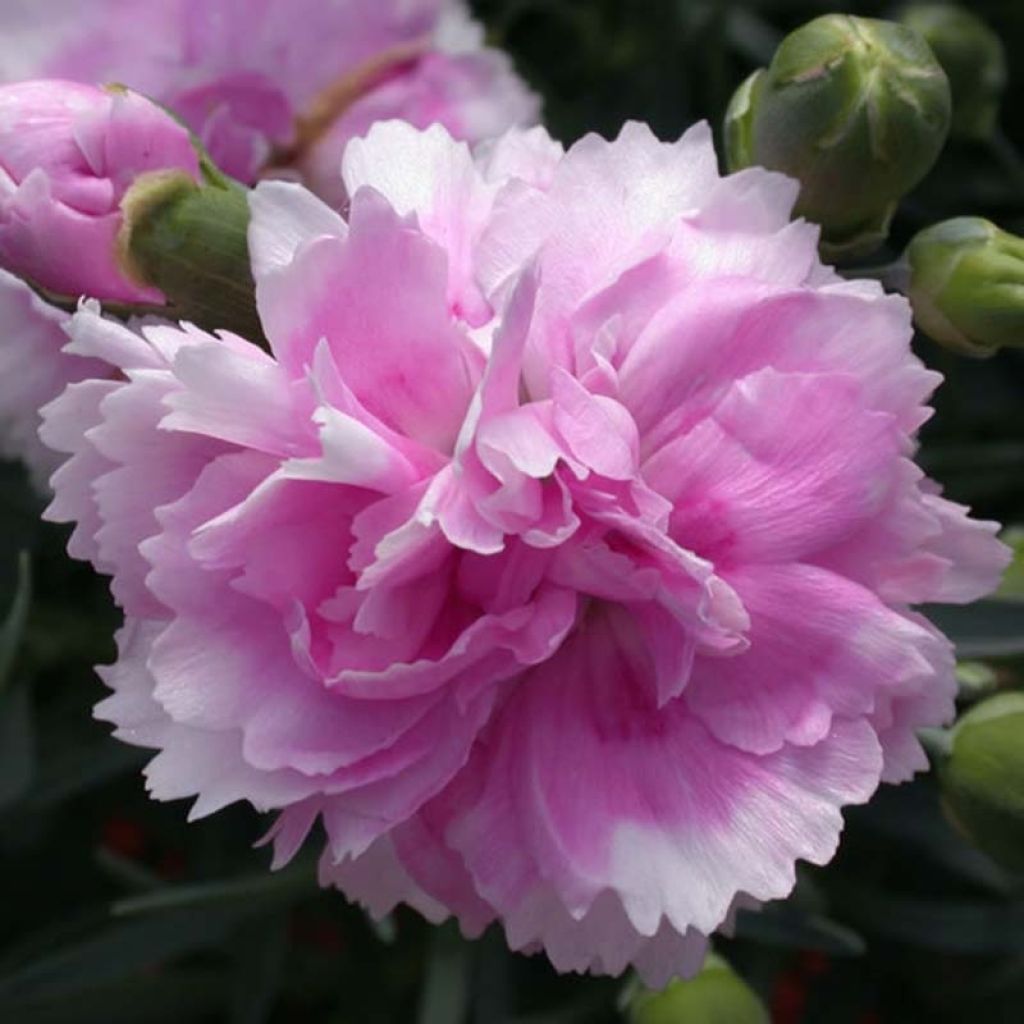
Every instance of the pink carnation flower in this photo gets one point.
(559, 555)
(239, 72)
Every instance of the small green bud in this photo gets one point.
(857, 110)
(983, 778)
(190, 241)
(974, 60)
(967, 285)
(715, 996)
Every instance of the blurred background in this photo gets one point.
(114, 909)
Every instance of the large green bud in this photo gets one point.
(982, 778)
(190, 240)
(716, 996)
(974, 60)
(855, 109)
(967, 285)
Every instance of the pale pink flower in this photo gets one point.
(239, 72)
(34, 369)
(559, 555)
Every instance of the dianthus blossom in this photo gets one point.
(559, 555)
(242, 73)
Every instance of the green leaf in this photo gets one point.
(953, 926)
(255, 891)
(154, 927)
(445, 995)
(259, 968)
(76, 767)
(117, 951)
(910, 815)
(13, 626)
(985, 629)
(17, 743)
(787, 927)
(192, 994)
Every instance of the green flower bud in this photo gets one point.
(190, 241)
(716, 996)
(854, 108)
(974, 60)
(983, 778)
(967, 285)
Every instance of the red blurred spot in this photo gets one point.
(123, 836)
(814, 963)
(316, 932)
(171, 865)
(789, 999)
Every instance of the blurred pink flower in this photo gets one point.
(68, 154)
(559, 555)
(241, 72)
(34, 369)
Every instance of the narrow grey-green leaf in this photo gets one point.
(790, 928)
(14, 624)
(17, 743)
(985, 629)
(255, 890)
(445, 995)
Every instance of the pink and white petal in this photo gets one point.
(492, 647)
(786, 258)
(66, 423)
(673, 373)
(192, 762)
(753, 201)
(970, 547)
(239, 394)
(785, 465)
(920, 547)
(284, 217)
(529, 155)
(152, 468)
(699, 343)
(378, 882)
(430, 175)
(378, 299)
(33, 371)
(821, 650)
(597, 430)
(416, 769)
(604, 940)
(613, 205)
(588, 786)
(925, 701)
